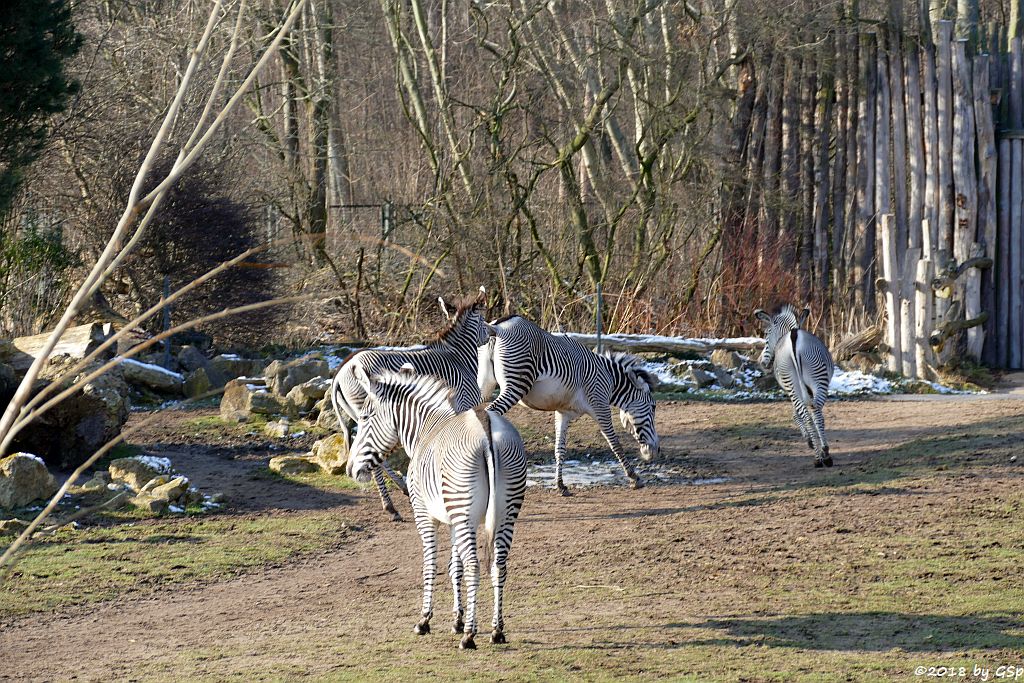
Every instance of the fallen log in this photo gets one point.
(669, 345)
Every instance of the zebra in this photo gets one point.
(467, 467)
(803, 368)
(452, 356)
(557, 373)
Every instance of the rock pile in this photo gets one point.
(293, 389)
(722, 370)
(156, 486)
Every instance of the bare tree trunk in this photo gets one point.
(790, 162)
(864, 239)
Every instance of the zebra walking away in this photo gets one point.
(557, 373)
(803, 368)
(451, 355)
(466, 467)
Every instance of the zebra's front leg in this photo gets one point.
(428, 535)
(395, 477)
(562, 422)
(603, 415)
(385, 498)
(465, 534)
(455, 573)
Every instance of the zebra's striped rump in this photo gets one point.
(466, 468)
(803, 368)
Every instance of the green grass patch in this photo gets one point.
(100, 563)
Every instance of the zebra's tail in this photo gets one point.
(491, 516)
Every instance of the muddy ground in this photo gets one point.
(907, 553)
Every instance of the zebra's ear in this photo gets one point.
(802, 318)
(763, 317)
(370, 384)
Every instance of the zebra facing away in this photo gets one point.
(803, 368)
(557, 373)
(451, 355)
(466, 467)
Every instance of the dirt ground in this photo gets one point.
(905, 554)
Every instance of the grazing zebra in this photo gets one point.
(557, 373)
(452, 356)
(803, 368)
(467, 467)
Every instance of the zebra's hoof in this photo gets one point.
(458, 627)
(395, 517)
(828, 461)
(467, 642)
(819, 463)
(564, 491)
(635, 483)
(422, 628)
(498, 638)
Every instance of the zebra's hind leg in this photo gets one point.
(603, 415)
(802, 425)
(562, 422)
(807, 426)
(385, 498)
(428, 535)
(465, 536)
(455, 573)
(819, 426)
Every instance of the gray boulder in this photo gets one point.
(303, 398)
(152, 377)
(730, 360)
(232, 366)
(138, 471)
(246, 396)
(292, 464)
(23, 479)
(699, 378)
(66, 435)
(326, 417)
(282, 376)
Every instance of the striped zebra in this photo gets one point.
(467, 467)
(803, 368)
(557, 373)
(452, 356)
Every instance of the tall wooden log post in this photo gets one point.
(923, 317)
(1012, 280)
(965, 184)
(891, 281)
(986, 157)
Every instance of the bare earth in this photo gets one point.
(774, 570)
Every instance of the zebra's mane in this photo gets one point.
(630, 363)
(464, 308)
(429, 391)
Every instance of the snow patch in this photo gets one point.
(161, 465)
(150, 366)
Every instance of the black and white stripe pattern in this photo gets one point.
(467, 468)
(451, 356)
(803, 368)
(557, 373)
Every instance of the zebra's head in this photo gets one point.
(632, 396)
(395, 405)
(777, 327)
